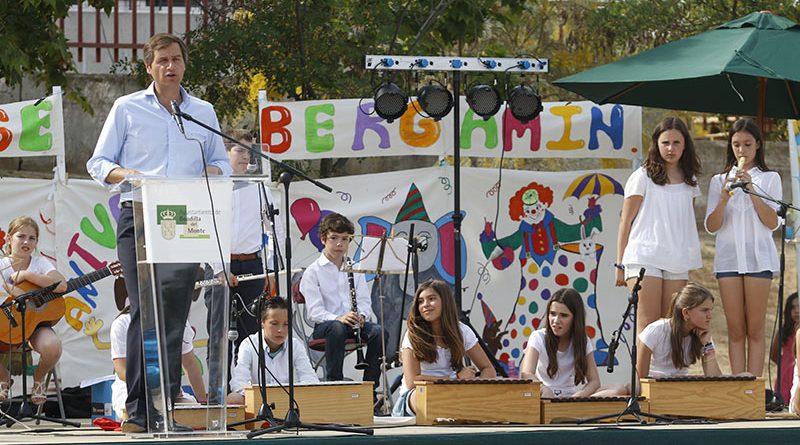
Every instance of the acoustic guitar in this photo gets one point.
(45, 308)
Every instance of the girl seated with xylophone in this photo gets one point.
(563, 362)
(668, 346)
(435, 345)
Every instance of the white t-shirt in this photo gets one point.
(441, 367)
(664, 231)
(657, 337)
(119, 348)
(39, 264)
(744, 244)
(563, 383)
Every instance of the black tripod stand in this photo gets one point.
(25, 409)
(777, 403)
(265, 413)
(633, 408)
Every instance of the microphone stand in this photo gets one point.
(265, 413)
(292, 420)
(25, 410)
(777, 403)
(633, 407)
(412, 259)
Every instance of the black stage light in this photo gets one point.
(484, 100)
(525, 104)
(436, 101)
(390, 102)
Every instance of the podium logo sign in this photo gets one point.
(168, 217)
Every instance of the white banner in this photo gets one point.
(343, 128)
(180, 224)
(32, 128)
(506, 296)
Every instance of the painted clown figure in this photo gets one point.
(552, 254)
(539, 232)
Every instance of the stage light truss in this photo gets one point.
(523, 101)
(474, 64)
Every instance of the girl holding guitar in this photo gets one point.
(20, 265)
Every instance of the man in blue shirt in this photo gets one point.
(140, 137)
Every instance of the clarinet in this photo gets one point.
(360, 362)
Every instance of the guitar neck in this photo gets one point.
(91, 277)
(76, 283)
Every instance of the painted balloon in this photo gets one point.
(306, 214)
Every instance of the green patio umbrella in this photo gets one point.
(749, 66)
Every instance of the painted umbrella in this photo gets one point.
(594, 184)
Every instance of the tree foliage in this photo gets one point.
(315, 49)
(33, 46)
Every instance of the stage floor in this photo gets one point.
(775, 430)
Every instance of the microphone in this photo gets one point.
(233, 332)
(176, 114)
(252, 165)
(731, 186)
(612, 349)
(255, 305)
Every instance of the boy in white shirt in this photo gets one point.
(274, 329)
(327, 293)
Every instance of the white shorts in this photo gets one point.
(632, 271)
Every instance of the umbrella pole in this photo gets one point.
(762, 105)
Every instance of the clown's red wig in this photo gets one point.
(515, 204)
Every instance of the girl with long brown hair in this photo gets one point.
(745, 257)
(560, 355)
(436, 343)
(670, 345)
(657, 229)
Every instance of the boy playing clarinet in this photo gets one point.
(327, 293)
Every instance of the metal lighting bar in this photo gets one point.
(438, 63)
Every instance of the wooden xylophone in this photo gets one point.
(723, 397)
(201, 417)
(343, 403)
(570, 409)
(477, 401)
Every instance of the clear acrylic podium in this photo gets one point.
(177, 232)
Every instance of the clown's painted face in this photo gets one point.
(533, 209)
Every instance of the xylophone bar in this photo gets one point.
(494, 381)
(702, 378)
(589, 399)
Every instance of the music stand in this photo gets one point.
(382, 256)
(25, 410)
